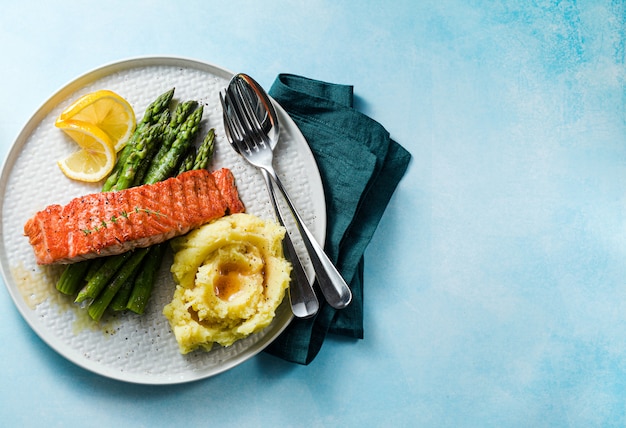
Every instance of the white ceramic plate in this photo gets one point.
(138, 349)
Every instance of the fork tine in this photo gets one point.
(229, 126)
(232, 130)
(242, 116)
(239, 116)
(234, 118)
(251, 117)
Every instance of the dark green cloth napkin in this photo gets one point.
(360, 167)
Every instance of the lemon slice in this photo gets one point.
(96, 157)
(106, 110)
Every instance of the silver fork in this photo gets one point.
(254, 145)
(304, 303)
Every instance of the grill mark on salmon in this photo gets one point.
(107, 223)
(225, 181)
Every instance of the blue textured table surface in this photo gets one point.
(496, 282)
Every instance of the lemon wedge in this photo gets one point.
(106, 110)
(96, 157)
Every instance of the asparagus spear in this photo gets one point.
(144, 282)
(181, 113)
(102, 277)
(121, 298)
(71, 279)
(99, 305)
(173, 158)
(187, 163)
(156, 107)
(151, 116)
(205, 151)
(144, 147)
(93, 268)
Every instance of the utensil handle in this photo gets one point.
(304, 303)
(333, 286)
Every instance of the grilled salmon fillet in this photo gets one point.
(107, 223)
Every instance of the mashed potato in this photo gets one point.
(231, 276)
